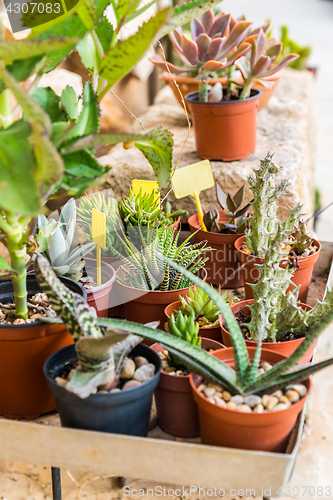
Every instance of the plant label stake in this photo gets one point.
(98, 223)
(146, 187)
(191, 180)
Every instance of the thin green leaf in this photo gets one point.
(88, 53)
(138, 12)
(4, 266)
(87, 12)
(88, 121)
(11, 51)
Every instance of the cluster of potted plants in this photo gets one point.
(224, 116)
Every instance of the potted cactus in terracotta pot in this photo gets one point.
(301, 251)
(224, 227)
(224, 119)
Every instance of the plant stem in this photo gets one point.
(5, 114)
(246, 89)
(203, 92)
(17, 252)
(97, 43)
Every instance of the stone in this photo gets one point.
(130, 384)
(301, 389)
(238, 400)
(211, 400)
(269, 401)
(259, 408)
(19, 321)
(61, 381)
(280, 406)
(292, 395)
(231, 405)
(252, 400)
(144, 373)
(284, 400)
(226, 395)
(209, 392)
(127, 369)
(165, 365)
(285, 126)
(265, 366)
(140, 360)
(277, 393)
(170, 369)
(201, 387)
(2, 315)
(220, 402)
(260, 371)
(116, 389)
(244, 408)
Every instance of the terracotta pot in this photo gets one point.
(177, 412)
(224, 130)
(23, 351)
(144, 306)
(187, 85)
(223, 267)
(301, 276)
(213, 332)
(284, 348)
(268, 431)
(98, 296)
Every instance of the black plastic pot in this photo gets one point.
(123, 412)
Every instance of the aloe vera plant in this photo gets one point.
(57, 238)
(51, 146)
(97, 335)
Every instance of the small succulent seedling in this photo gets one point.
(184, 327)
(231, 207)
(97, 359)
(57, 239)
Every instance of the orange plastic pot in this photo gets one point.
(223, 267)
(187, 84)
(212, 332)
(301, 277)
(98, 296)
(267, 431)
(177, 412)
(284, 348)
(23, 351)
(144, 306)
(224, 130)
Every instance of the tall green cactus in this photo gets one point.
(263, 222)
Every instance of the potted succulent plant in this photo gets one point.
(301, 251)
(256, 404)
(223, 228)
(176, 410)
(198, 303)
(232, 109)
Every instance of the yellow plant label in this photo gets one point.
(146, 187)
(98, 222)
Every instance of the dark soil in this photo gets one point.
(38, 306)
(243, 316)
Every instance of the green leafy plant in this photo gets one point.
(200, 305)
(222, 43)
(146, 270)
(57, 239)
(184, 327)
(291, 46)
(231, 207)
(51, 146)
(94, 333)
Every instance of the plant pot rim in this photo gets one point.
(174, 304)
(239, 242)
(250, 343)
(30, 278)
(253, 415)
(99, 397)
(193, 98)
(157, 291)
(106, 283)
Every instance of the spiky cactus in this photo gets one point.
(57, 238)
(185, 328)
(263, 222)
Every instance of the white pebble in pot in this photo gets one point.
(127, 369)
(144, 373)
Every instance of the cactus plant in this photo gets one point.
(57, 237)
(231, 207)
(291, 46)
(184, 327)
(97, 335)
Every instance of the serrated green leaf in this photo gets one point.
(88, 121)
(82, 164)
(69, 101)
(119, 60)
(138, 12)
(104, 31)
(156, 146)
(49, 101)
(126, 7)
(184, 13)
(50, 165)
(60, 131)
(17, 164)
(87, 50)
(87, 12)
(11, 51)
(22, 69)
